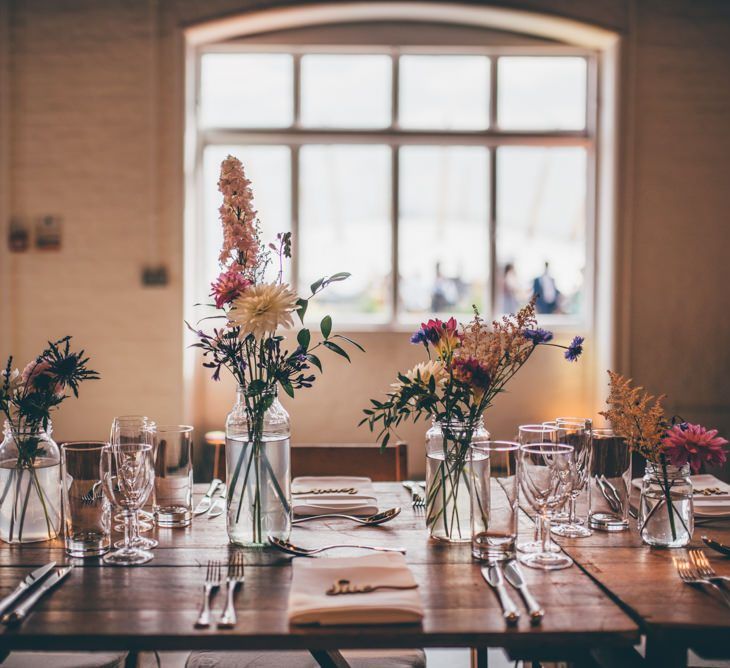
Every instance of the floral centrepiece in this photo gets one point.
(468, 366)
(248, 344)
(30, 501)
(670, 447)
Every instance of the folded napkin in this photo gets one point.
(362, 502)
(310, 604)
(710, 505)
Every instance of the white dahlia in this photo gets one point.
(425, 371)
(262, 309)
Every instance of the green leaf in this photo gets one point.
(316, 285)
(302, 308)
(288, 389)
(326, 326)
(304, 337)
(354, 343)
(336, 349)
(339, 276)
(384, 442)
(255, 387)
(315, 360)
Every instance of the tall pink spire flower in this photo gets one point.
(240, 231)
(693, 444)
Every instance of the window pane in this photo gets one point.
(443, 244)
(346, 91)
(268, 168)
(246, 90)
(541, 220)
(345, 226)
(541, 93)
(444, 92)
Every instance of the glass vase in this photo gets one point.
(258, 465)
(666, 512)
(448, 478)
(30, 485)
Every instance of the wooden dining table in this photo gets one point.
(617, 590)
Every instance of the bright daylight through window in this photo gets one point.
(464, 175)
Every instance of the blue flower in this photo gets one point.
(419, 337)
(575, 349)
(537, 336)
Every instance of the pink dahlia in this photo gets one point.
(693, 443)
(228, 286)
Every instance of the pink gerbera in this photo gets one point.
(229, 285)
(693, 443)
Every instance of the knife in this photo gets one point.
(28, 582)
(219, 504)
(493, 575)
(514, 576)
(17, 615)
(204, 503)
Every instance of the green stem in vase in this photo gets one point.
(668, 496)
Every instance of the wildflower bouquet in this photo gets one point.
(29, 459)
(467, 367)
(663, 442)
(248, 346)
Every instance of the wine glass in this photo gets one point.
(136, 429)
(127, 475)
(547, 472)
(576, 432)
(528, 434)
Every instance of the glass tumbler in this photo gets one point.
(610, 481)
(173, 504)
(86, 510)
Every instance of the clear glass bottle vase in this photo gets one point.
(30, 485)
(448, 481)
(666, 511)
(258, 465)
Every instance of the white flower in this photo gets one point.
(262, 309)
(425, 371)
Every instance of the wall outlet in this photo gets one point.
(154, 276)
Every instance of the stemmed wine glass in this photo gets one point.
(527, 435)
(136, 429)
(576, 432)
(547, 472)
(127, 475)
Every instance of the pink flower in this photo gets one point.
(229, 285)
(693, 443)
(39, 377)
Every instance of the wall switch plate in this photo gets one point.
(154, 276)
(48, 233)
(18, 235)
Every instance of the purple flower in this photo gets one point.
(418, 336)
(574, 350)
(537, 336)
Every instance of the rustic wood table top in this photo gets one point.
(155, 606)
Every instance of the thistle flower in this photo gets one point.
(262, 309)
(693, 444)
(574, 350)
(229, 285)
(538, 336)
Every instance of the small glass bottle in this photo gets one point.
(666, 510)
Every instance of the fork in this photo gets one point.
(417, 501)
(211, 584)
(704, 568)
(689, 575)
(91, 496)
(235, 577)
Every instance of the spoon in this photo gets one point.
(715, 545)
(286, 546)
(370, 520)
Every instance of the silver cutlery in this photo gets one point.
(219, 503)
(210, 586)
(319, 491)
(609, 493)
(93, 495)
(286, 546)
(716, 545)
(513, 575)
(204, 503)
(369, 520)
(689, 575)
(704, 568)
(493, 575)
(418, 494)
(27, 582)
(19, 613)
(235, 577)
(342, 587)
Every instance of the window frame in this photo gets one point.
(491, 138)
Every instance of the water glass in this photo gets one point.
(173, 502)
(127, 475)
(610, 481)
(546, 473)
(494, 499)
(86, 511)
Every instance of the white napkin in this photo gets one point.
(309, 603)
(363, 502)
(706, 506)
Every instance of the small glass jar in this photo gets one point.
(30, 485)
(448, 478)
(666, 510)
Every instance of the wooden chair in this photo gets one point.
(354, 459)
